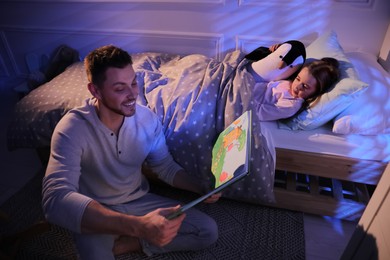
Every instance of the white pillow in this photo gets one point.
(330, 104)
(370, 113)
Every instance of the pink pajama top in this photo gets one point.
(274, 101)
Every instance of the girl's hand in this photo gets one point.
(273, 48)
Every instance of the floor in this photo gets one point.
(325, 237)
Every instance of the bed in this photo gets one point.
(326, 160)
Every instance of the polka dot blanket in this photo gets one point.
(196, 98)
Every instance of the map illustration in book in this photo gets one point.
(230, 151)
(230, 162)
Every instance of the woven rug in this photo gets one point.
(246, 231)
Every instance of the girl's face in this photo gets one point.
(304, 85)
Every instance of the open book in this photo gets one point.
(230, 162)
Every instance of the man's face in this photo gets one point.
(119, 91)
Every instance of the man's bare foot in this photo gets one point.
(126, 244)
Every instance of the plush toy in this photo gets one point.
(287, 59)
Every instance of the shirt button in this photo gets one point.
(112, 134)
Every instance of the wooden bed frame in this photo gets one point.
(325, 184)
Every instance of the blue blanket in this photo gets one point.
(196, 98)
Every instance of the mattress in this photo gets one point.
(323, 140)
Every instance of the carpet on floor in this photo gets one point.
(246, 231)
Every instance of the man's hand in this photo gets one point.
(186, 181)
(153, 227)
(158, 230)
(213, 198)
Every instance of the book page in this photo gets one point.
(230, 150)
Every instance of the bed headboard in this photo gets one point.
(210, 27)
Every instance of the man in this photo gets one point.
(94, 185)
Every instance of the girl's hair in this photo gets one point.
(99, 60)
(326, 72)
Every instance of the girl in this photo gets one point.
(283, 98)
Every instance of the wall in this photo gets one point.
(210, 27)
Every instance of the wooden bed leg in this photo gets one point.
(320, 195)
(313, 184)
(337, 190)
(291, 182)
(362, 193)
